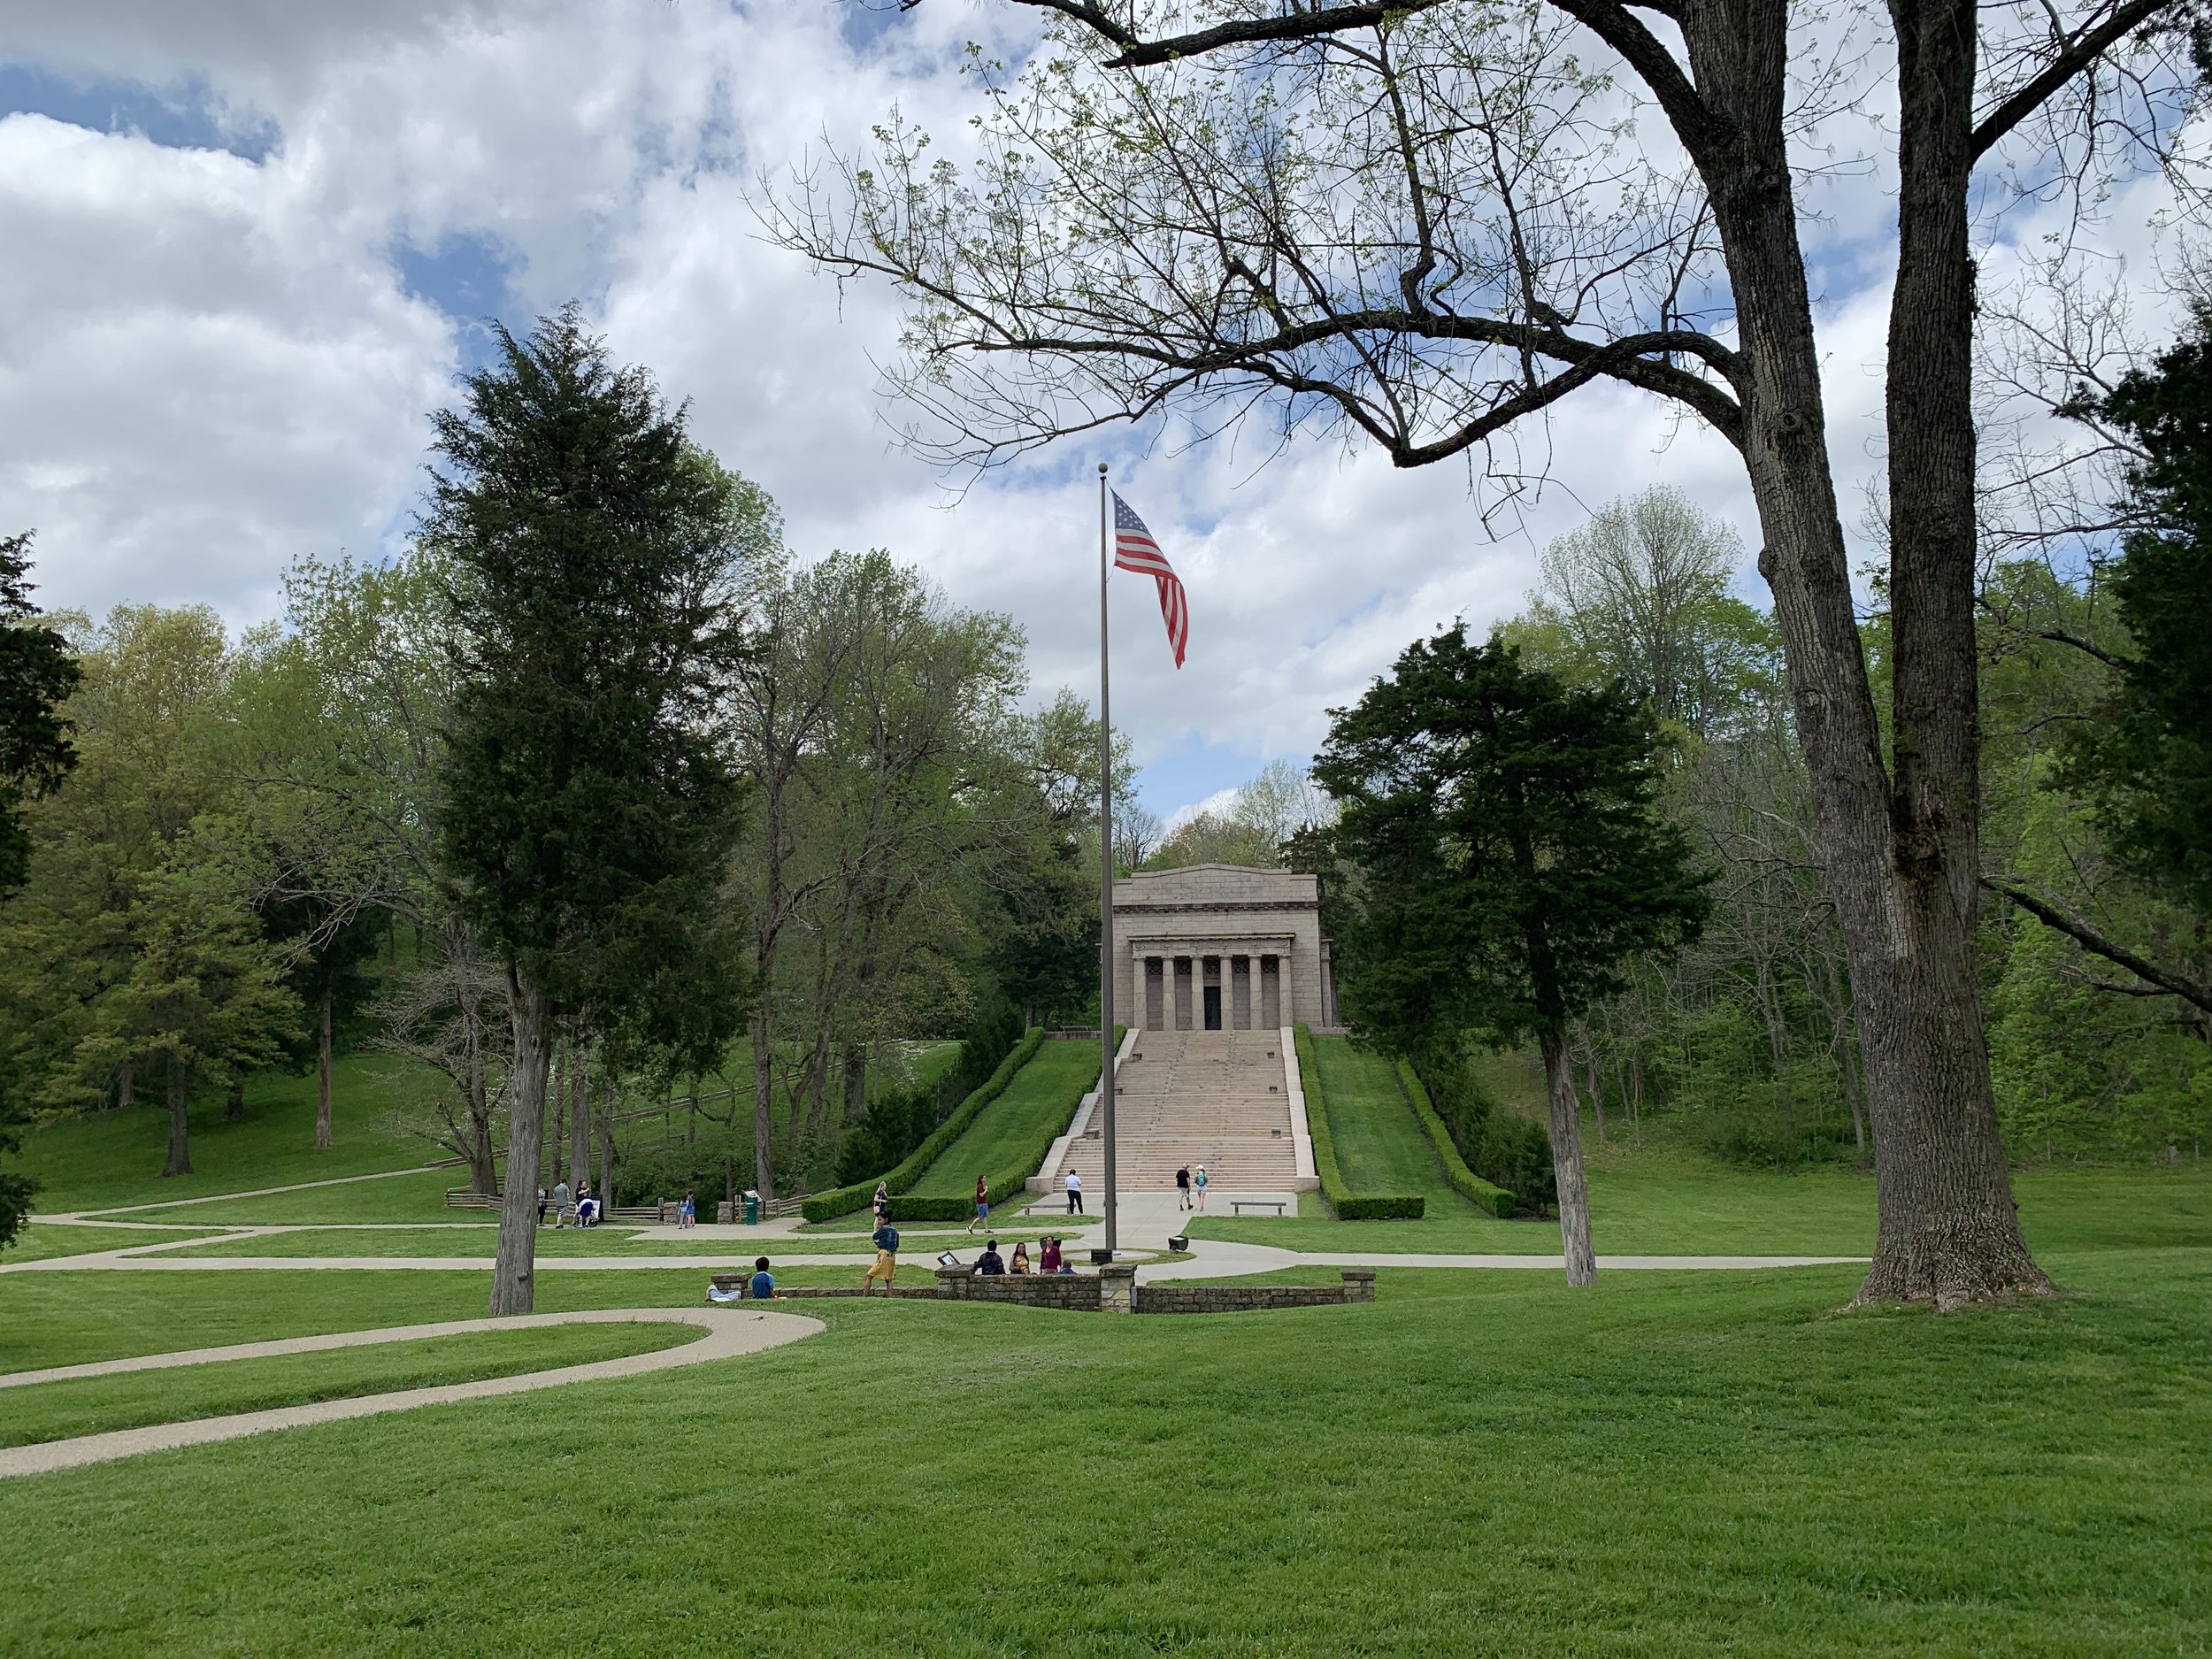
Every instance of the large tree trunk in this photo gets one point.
(322, 1068)
(513, 1274)
(126, 1084)
(180, 1159)
(764, 1095)
(1947, 1232)
(1566, 1157)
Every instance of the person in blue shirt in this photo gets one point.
(886, 1264)
(763, 1288)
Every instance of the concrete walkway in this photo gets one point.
(728, 1332)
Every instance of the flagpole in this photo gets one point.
(1105, 877)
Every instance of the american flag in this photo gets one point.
(1135, 549)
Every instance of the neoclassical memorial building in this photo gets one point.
(1221, 948)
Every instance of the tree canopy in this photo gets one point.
(1509, 862)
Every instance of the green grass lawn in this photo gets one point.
(1044, 1095)
(413, 1195)
(94, 1405)
(42, 1241)
(114, 1157)
(1663, 1204)
(1670, 1464)
(1380, 1146)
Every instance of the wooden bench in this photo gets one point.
(1237, 1205)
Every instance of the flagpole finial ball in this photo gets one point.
(1101, 469)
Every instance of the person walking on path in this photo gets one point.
(883, 1202)
(687, 1213)
(540, 1206)
(886, 1264)
(560, 1203)
(1198, 1184)
(982, 1204)
(1075, 1193)
(1182, 1188)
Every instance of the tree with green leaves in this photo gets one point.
(597, 576)
(1511, 866)
(205, 1000)
(2145, 763)
(37, 673)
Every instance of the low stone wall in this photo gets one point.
(1358, 1286)
(1074, 1293)
(1112, 1290)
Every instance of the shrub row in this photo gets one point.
(1348, 1206)
(1481, 1193)
(843, 1200)
(1499, 1145)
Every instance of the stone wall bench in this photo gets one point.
(1113, 1290)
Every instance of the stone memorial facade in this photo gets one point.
(1221, 948)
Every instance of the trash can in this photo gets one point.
(752, 1208)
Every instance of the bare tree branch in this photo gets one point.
(2054, 915)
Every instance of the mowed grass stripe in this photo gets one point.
(1380, 1147)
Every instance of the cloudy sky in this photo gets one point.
(251, 243)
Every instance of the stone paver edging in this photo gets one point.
(728, 1332)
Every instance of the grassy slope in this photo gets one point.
(1043, 1091)
(111, 1159)
(1380, 1147)
(94, 1405)
(1477, 1464)
(114, 1157)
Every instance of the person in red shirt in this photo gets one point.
(982, 1204)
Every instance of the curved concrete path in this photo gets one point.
(728, 1332)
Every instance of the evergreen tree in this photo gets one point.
(2146, 762)
(36, 673)
(1510, 864)
(204, 1003)
(586, 814)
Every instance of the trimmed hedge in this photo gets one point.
(842, 1200)
(1511, 1152)
(1458, 1176)
(1348, 1205)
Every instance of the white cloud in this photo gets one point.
(208, 364)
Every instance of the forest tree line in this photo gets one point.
(249, 863)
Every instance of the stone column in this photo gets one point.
(1117, 1287)
(1186, 994)
(1240, 992)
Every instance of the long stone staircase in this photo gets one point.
(1218, 1098)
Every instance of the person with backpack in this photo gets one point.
(1198, 1185)
(886, 1263)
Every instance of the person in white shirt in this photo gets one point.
(1075, 1193)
